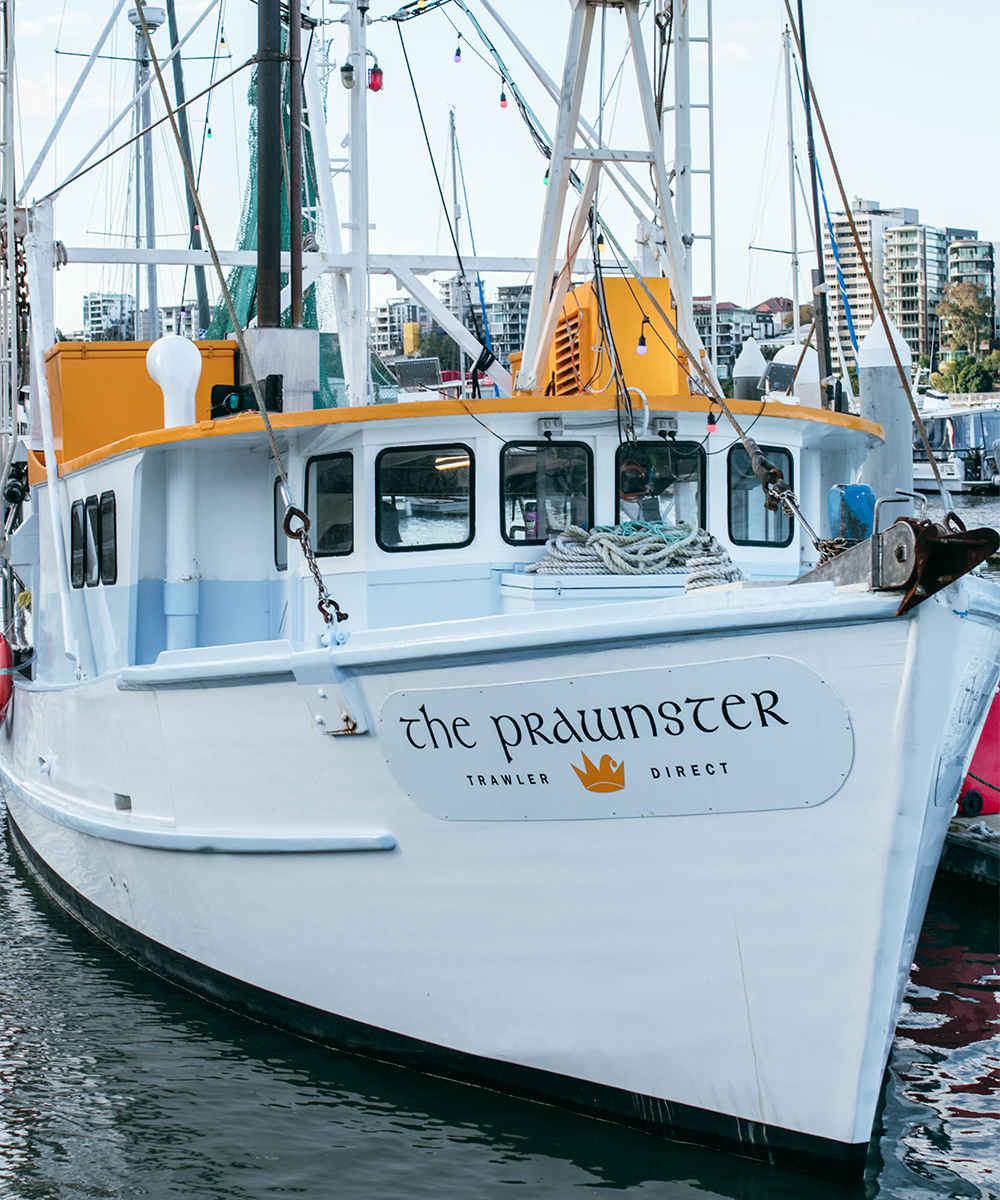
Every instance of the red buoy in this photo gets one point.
(6, 682)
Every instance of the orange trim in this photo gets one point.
(253, 423)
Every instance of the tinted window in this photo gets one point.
(424, 497)
(280, 538)
(544, 486)
(92, 539)
(76, 544)
(330, 504)
(108, 539)
(750, 523)
(661, 481)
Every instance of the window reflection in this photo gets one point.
(661, 481)
(330, 505)
(545, 487)
(425, 497)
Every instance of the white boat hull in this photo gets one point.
(690, 974)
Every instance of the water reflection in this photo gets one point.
(113, 1083)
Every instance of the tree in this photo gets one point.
(769, 351)
(806, 314)
(967, 308)
(440, 346)
(974, 377)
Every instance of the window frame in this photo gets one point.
(430, 449)
(348, 454)
(546, 443)
(702, 459)
(766, 450)
(77, 544)
(109, 579)
(92, 505)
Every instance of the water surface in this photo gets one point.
(114, 1083)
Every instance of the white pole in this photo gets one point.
(713, 344)
(53, 134)
(328, 205)
(358, 149)
(682, 134)
(786, 38)
(149, 196)
(38, 245)
(457, 215)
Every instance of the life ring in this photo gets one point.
(6, 680)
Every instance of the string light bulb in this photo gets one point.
(222, 44)
(458, 50)
(546, 179)
(641, 347)
(600, 241)
(503, 98)
(208, 131)
(713, 420)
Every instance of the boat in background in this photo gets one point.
(965, 440)
(359, 769)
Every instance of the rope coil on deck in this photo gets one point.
(639, 548)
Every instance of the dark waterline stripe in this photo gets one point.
(838, 1161)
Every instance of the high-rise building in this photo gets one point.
(180, 318)
(871, 221)
(108, 318)
(509, 322)
(973, 261)
(915, 274)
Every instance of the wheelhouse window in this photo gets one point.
(330, 505)
(77, 544)
(750, 523)
(108, 539)
(661, 482)
(544, 486)
(92, 540)
(280, 538)
(424, 497)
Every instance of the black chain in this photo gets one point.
(301, 535)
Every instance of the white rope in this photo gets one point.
(636, 548)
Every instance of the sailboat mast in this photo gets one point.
(201, 289)
(682, 136)
(819, 290)
(295, 157)
(457, 216)
(145, 119)
(786, 38)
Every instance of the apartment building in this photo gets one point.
(108, 317)
(733, 325)
(509, 320)
(392, 327)
(973, 261)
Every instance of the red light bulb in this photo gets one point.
(375, 79)
(503, 100)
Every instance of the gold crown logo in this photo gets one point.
(608, 777)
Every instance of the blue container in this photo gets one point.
(851, 509)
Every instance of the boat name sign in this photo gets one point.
(741, 735)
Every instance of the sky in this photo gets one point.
(908, 92)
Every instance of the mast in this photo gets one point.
(682, 135)
(201, 288)
(295, 157)
(819, 290)
(786, 39)
(360, 374)
(457, 214)
(268, 164)
(153, 21)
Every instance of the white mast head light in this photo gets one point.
(174, 363)
(155, 16)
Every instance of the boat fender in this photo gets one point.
(6, 682)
